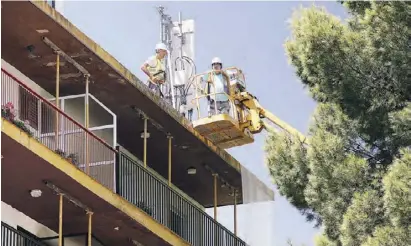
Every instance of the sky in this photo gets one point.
(248, 35)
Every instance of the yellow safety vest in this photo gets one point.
(210, 81)
(157, 71)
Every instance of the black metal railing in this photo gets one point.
(13, 237)
(153, 195)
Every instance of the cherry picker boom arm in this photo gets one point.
(255, 119)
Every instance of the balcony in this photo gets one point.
(43, 121)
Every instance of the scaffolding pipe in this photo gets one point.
(235, 212)
(61, 220)
(173, 100)
(89, 227)
(87, 125)
(65, 56)
(215, 196)
(145, 143)
(169, 159)
(57, 98)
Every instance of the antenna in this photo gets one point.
(179, 38)
(165, 37)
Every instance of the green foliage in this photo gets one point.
(73, 158)
(288, 163)
(364, 214)
(364, 70)
(389, 236)
(357, 7)
(397, 185)
(355, 175)
(323, 240)
(335, 176)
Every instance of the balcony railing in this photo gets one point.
(156, 198)
(59, 132)
(13, 237)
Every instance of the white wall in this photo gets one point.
(16, 73)
(15, 218)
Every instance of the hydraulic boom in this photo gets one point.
(254, 120)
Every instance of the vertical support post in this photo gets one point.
(216, 234)
(196, 94)
(145, 143)
(61, 220)
(215, 196)
(171, 78)
(215, 98)
(57, 98)
(235, 212)
(87, 124)
(87, 114)
(39, 117)
(117, 173)
(169, 159)
(90, 214)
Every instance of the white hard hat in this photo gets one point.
(216, 60)
(161, 46)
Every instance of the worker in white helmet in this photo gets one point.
(155, 69)
(218, 83)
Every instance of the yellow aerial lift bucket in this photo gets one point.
(219, 121)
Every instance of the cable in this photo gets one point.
(183, 90)
(193, 71)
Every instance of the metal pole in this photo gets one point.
(160, 11)
(169, 159)
(57, 98)
(145, 143)
(65, 56)
(61, 220)
(197, 99)
(215, 97)
(180, 25)
(87, 102)
(89, 227)
(235, 212)
(173, 100)
(87, 126)
(215, 196)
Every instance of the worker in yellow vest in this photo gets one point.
(155, 69)
(217, 89)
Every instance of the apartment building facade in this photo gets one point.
(98, 159)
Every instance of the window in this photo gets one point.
(28, 107)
